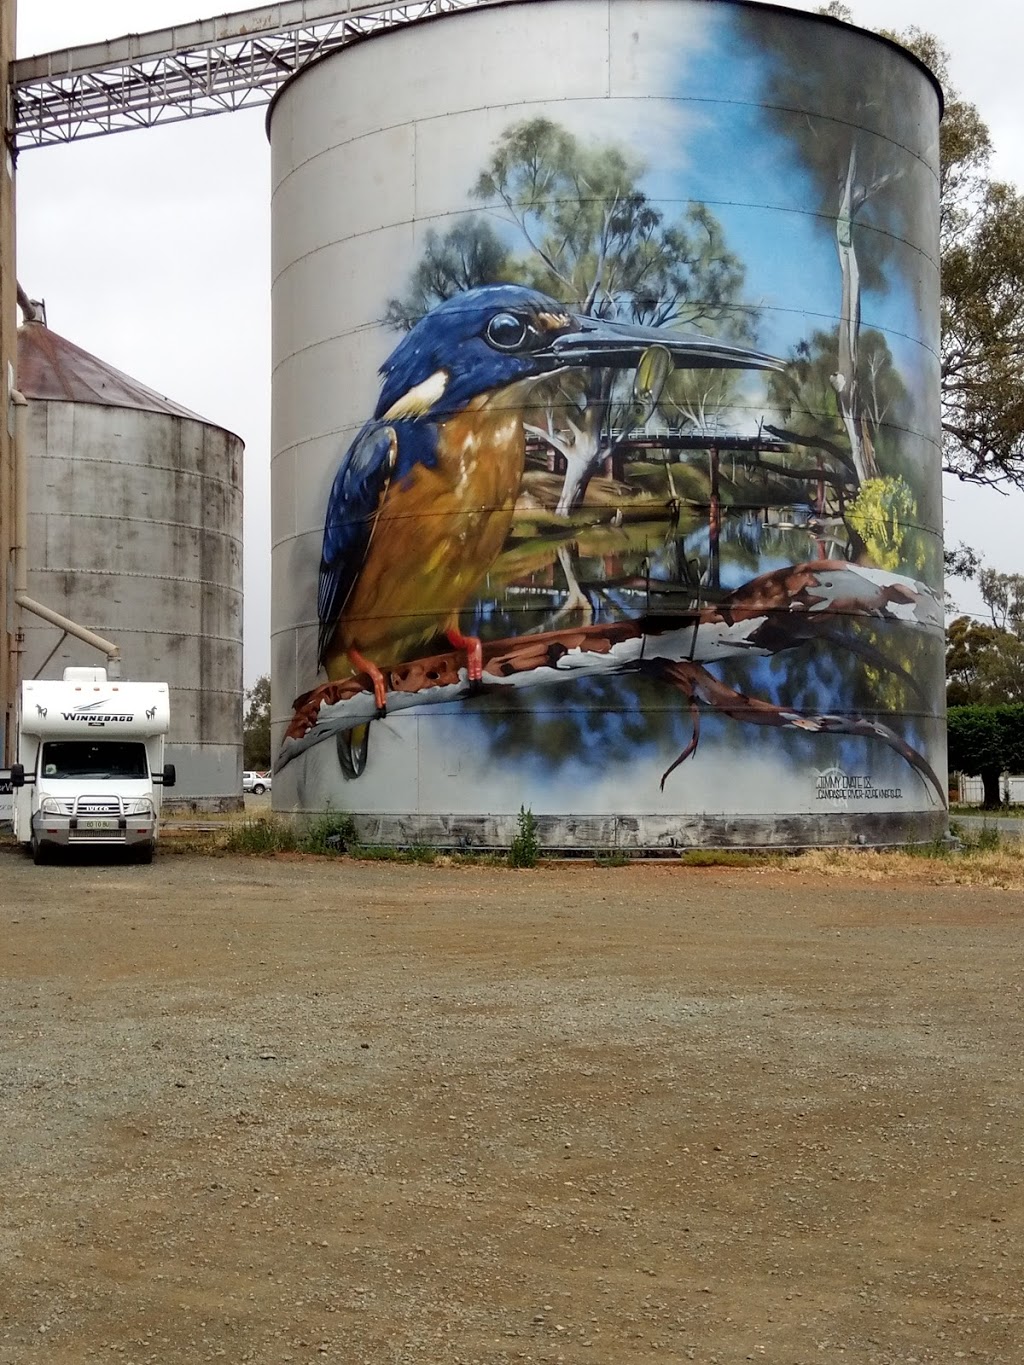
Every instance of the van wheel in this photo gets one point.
(258, 789)
(40, 853)
(143, 854)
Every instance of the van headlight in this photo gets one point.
(138, 805)
(50, 806)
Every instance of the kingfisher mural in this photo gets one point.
(424, 500)
(612, 493)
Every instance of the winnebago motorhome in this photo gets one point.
(90, 767)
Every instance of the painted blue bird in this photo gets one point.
(423, 500)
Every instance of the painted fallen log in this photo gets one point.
(771, 613)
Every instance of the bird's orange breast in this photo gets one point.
(436, 536)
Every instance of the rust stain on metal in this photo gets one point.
(51, 368)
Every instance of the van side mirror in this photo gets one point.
(17, 774)
(170, 775)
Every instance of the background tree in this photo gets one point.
(985, 660)
(1003, 595)
(256, 726)
(982, 254)
(982, 245)
(986, 740)
(984, 665)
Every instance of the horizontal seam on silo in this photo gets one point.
(132, 573)
(192, 419)
(450, 114)
(376, 323)
(78, 461)
(707, 203)
(690, 504)
(203, 637)
(349, 429)
(78, 517)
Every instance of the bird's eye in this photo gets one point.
(507, 331)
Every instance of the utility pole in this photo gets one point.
(8, 382)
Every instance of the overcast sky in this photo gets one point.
(151, 248)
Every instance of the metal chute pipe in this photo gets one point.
(20, 543)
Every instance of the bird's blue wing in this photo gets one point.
(356, 495)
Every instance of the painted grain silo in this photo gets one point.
(606, 430)
(135, 531)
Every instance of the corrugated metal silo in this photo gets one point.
(135, 531)
(716, 536)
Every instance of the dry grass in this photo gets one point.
(985, 860)
(1001, 868)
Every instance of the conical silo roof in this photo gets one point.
(53, 369)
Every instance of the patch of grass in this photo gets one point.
(938, 848)
(261, 836)
(999, 813)
(984, 840)
(727, 857)
(472, 860)
(988, 840)
(614, 859)
(391, 853)
(939, 863)
(330, 833)
(524, 848)
(207, 842)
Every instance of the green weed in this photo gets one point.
(261, 836)
(330, 833)
(524, 848)
(614, 859)
(391, 853)
(725, 857)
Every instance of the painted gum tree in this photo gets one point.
(851, 122)
(570, 217)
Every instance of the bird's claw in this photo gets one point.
(380, 712)
(475, 687)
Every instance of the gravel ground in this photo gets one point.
(296, 1110)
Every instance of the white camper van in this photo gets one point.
(90, 767)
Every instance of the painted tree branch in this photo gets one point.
(700, 686)
(771, 613)
(821, 443)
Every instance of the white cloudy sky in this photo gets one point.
(151, 249)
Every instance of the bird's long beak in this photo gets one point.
(593, 342)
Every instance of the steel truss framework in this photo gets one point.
(213, 66)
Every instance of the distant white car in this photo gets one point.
(257, 783)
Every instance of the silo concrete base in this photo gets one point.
(575, 835)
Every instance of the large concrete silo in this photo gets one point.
(732, 560)
(135, 531)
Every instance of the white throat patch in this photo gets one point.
(418, 401)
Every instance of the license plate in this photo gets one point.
(97, 824)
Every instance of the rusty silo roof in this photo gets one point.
(51, 368)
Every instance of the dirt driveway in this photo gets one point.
(296, 1110)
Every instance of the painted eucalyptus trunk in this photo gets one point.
(845, 381)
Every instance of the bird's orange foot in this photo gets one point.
(380, 686)
(474, 656)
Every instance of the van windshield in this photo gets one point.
(112, 758)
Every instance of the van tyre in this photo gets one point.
(143, 854)
(258, 789)
(40, 853)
